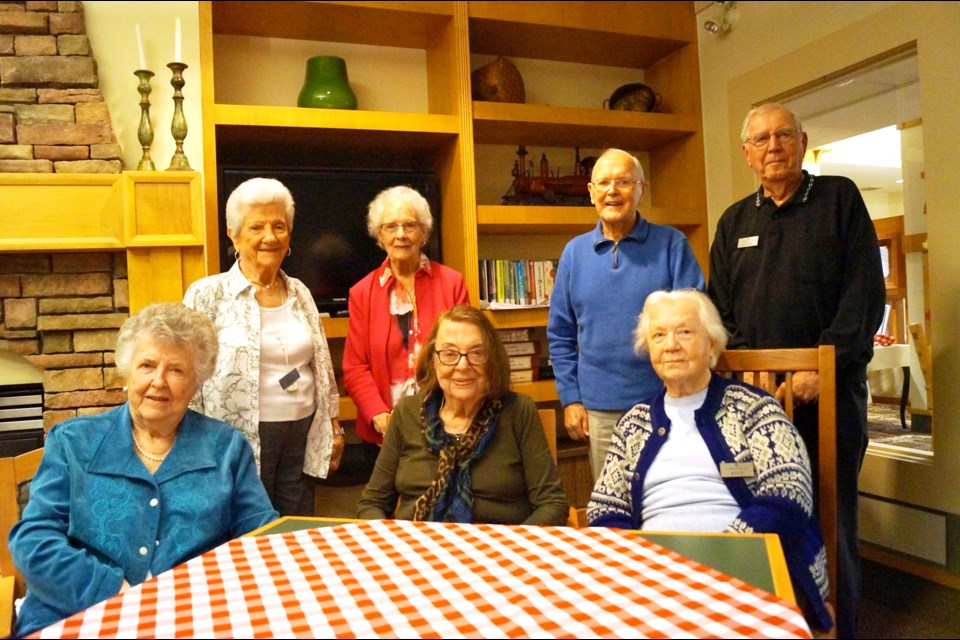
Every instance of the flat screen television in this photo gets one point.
(330, 248)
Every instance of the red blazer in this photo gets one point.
(366, 372)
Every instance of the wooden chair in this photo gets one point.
(548, 418)
(15, 475)
(918, 340)
(761, 368)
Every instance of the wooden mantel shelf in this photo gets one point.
(155, 216)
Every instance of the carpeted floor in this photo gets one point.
(883, 423)
(899, 605)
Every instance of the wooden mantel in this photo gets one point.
(155, 216)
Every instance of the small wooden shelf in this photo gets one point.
(540, 390)
(344, 119)
(583, 33)
(412, 25)
(550, 126)
(541, 220)
(518, 318)
(534, 220)
(335, 327)
(348, 410)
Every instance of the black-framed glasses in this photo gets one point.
(451, 357)
(391, 228)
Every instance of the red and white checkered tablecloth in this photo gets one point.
(391, 578)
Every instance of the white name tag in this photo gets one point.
(736, 469)
(750, 241)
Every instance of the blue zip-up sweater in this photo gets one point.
(97, 516)
(599, 291)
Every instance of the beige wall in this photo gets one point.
(806, 41)
(112, 31)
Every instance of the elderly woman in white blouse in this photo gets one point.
(274, 378)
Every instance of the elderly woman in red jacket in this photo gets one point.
(392, 311)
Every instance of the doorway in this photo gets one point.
(864, 123)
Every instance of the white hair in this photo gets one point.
(709, 318)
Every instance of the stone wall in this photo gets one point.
(53, 118)
(62, 312)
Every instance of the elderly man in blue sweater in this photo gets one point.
(602, 281)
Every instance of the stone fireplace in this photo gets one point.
(61, 311)
(53, 118)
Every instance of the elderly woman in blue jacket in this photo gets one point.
(710, 454)
(125, 495)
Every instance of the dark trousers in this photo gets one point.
(282, 448)
(852, 442)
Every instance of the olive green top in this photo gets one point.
(515, 481)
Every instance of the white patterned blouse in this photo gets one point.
(232, 393)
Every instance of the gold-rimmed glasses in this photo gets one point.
(621, 184)
(391, 228)
(783, 136)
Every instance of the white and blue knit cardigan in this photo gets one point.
(739, 423)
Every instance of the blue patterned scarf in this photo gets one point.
(449, 498)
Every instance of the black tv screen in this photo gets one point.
(330, 248)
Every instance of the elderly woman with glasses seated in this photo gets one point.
(710, 454)
(392, 310)
(465, 448)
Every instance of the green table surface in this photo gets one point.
(743, 557)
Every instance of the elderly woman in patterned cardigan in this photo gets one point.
(710, 454)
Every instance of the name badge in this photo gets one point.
(289, 381)
(736, 469)
(750, 241)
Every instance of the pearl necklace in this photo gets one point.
(146, 454)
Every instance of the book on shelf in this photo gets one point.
(549, 274)
(528, 348)
(524, 362)
(513, 335)
(484, 293)
(524, 375)
(516, 283)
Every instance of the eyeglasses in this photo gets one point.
(783, 136)
(391, 228)
(620, 185)
(451, 357)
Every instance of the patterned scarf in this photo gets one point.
(449, 498)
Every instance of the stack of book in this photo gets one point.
(523, 353)
(526, 283)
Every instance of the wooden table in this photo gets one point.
(389, 578)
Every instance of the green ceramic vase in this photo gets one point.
(326, 85)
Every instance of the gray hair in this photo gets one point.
(709, 318)
(174, 323)
(637, 167)
(399, 195)
(770, 106)
(257, 191)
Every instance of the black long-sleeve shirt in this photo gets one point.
(802, 274)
